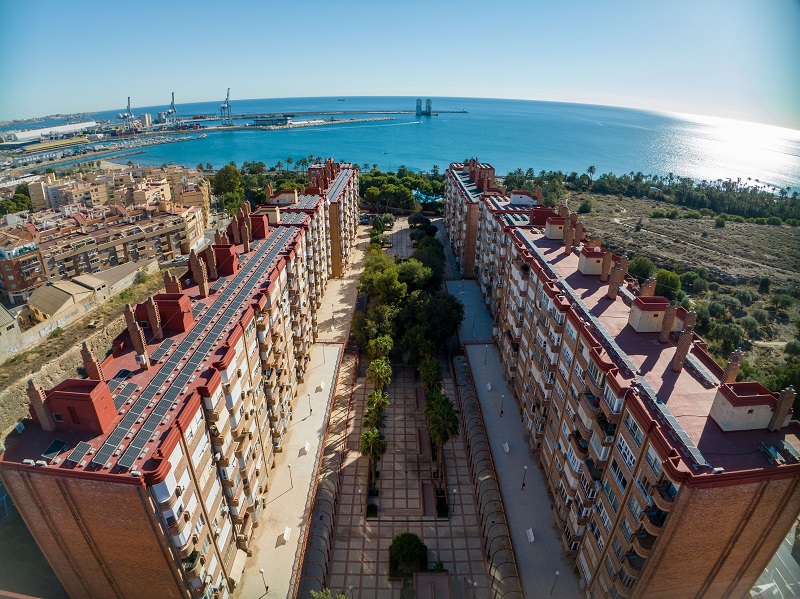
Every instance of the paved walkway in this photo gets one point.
(288, 494)
(477, 325)
(406, 502)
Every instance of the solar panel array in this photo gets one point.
(124, 394)
(162, 349)
(611, 346)
(219, 284)
(172, 379)
(79, 451)
(118, 378)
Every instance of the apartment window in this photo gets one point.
(634, 429)
(614, 402)
(597, 375)
(571, 332)
(584, 568)
(567, 354)
(612, 497)
(644, 484)
(601, 509)
(616, 473)
(57, 417)
(596, 534)
(625, 452)
(654, 460)
(617, 548)
(610, 566)
(626, 529)
(634, 506)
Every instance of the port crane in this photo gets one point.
(225, 110)
(172, 113)
(127, 117)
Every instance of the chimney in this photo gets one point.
(684, 345)
(733, 367)
(223, 238)
(246, 209)
(563, 210)
(218, 237)
(578, 233)
(648, 288)
(782, 410)
(38, 398)
(172, 283)
(569, 233)
(198, 268)
(154, 318)
(594, 242)
(91, 363)
(608, 263)
(245, 234)
(538, 194)
(617, 277)
(690, 320)
(268, 193)
(666, 324)
(573, 217)
(211, 260)
(137, 335)
(235, 230)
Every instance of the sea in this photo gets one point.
(508, 134)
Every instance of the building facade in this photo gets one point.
(153, 470)
(668, 478)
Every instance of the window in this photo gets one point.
(604, 516)
(610, 566)
(616, 473)
(634, 506)
(571, 332)
(654, 460)
(614, 402)
(625, 528)
(625, 452)
(596, 534)
(612, 498)
(57, 417)
(634, 429)
(617, 548)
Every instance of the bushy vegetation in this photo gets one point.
(407, 554)
(396, 190)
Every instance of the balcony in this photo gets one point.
(591, 386)
(597, 453)
(580, 445)
(585, 432)
(604, 430)
(612, 415)
(653, 521)
(620, 588)
(642, 543)
(631, 566)
(561, 519)
(590, 403)
(193, 564)
(663, 496)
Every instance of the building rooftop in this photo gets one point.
(149, 402)
(687, 395)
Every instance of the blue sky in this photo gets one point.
(730, 58)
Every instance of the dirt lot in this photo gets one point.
(736, 254)
(59, 357)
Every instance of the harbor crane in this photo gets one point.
(127, 117)
(172, 113)
(225, 110)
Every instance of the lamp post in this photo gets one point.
(524, 474)
(291, 482)
(485, 353)
(474, 589)
(310, 409)
(502, 399)
(554, 582)
(323, 353)
(350, 588)
(454, 500)
(264, 580)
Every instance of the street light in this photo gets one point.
(485, 353)
(310, 410)
(554, 582)
(291, 482)
(502, 399)
(454, 500)
(264, 580)
(350, 588)
(524, 474)
(474, 589)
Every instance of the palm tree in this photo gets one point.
(279, 166)
(431, 372)
(365, 166)
(379, 399)
(442, 419)
(209, 166)
(374, 417)
(374, 166)
(591, 171)
(372, 445)
(379, 373)
(289, 162)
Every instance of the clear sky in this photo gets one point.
(730, 58)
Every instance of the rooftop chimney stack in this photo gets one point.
(199, 274)
(563, 210)
(578, 233)
(90, 363)
(569, 234)
(608, 263)
(172, 283)
(235, 229)
(218, 237)
(37, 396)
(648, 288)
(245, 234)
(154, 318)
(733, 367)
(211, 260)
(595, 242)
(617, 277)
(782, 410)
(684, 345)
(668, 322)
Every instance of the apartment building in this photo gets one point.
(465, 183)
(668, 478)
(50, 246)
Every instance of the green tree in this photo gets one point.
(431, 373)
(383, 286)
(232, 201)
(642, 268)
(378, 399)
(379, 373)
(414, 274)
(781, 301)
(22, 189)
(585, 207)
(729, 335)
(374, 417)
(442, 419)
(591, 171)
(325, 593)
(408, 554)
(668, 283)
(372, 446)
(380, 347)
(228, 180)
(416, 344)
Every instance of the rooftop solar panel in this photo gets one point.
(162, 349)
(79, 451)
(54, 449)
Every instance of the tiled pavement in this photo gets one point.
(360, 556)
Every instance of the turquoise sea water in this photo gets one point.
(506, 133)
